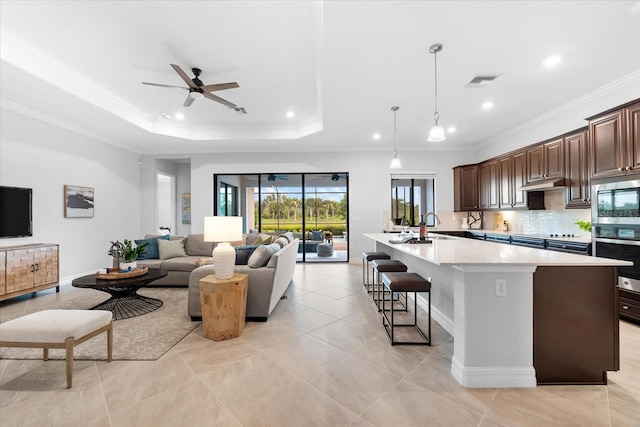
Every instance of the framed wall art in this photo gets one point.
(186, 208)
(78, 202)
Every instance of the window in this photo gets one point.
(228, 200)
(412, 196)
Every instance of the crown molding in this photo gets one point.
(629, 79)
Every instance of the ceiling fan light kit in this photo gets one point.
(436, 133)
(395, 162)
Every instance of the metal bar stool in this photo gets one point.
(366, 258)
(385, 266)
(405, 282)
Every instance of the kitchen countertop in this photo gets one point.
(451, 250)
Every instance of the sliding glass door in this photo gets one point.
(312, 206)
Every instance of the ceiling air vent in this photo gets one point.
(481, 81)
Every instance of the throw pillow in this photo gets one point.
(171, 248)
(282, 241)
(243, 253)
(263, 239)
(287, 235)
(261, 256)
(152, 249)
(317, 235)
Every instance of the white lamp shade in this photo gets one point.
(222, 228)
(436, 134)
(395, 163)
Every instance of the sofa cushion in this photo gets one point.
(243, 253)
(195, 245)
(171, 248)
(261, 256)
(317, 235)
(183, 263)
(150, 263)
(152, 250)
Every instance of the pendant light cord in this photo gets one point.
(435, 65)
(395, 141)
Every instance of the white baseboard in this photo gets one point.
(437, 315)
(493, 377)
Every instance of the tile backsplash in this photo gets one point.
(554, 219)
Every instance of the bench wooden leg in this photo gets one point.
(110, 341)
(69, 360)
(45, 354)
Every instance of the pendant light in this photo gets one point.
(436, 134)
(395, 162)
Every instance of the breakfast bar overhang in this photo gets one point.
(519, 316)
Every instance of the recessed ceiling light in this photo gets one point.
(179, 116)
(552, 61)
(451, 129)
(376, 136)
(291, 114)
(487, 105)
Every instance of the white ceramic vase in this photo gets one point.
(128, 266)
(465, 224)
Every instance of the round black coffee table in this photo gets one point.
(125, 301)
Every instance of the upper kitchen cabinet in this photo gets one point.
(578, 180)
(513, 173)
(489, 186)
(545, 161)
(465, 188)
(615, 142)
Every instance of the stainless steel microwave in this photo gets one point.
(616, 203)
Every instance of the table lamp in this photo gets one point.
(223, 229)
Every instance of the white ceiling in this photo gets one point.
(340, 65)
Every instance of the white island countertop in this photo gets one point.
(451, 250)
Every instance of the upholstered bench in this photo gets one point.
(57, 329)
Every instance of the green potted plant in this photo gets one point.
(127, 253)
(584, 225)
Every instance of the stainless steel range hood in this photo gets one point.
(543, 185)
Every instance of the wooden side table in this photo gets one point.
(224, 306)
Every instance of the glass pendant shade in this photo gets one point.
(395, 163)
(436, 134)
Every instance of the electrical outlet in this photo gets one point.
(501, 288)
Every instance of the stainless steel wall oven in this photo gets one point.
(615, 217)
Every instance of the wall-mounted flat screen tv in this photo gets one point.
(15, 212)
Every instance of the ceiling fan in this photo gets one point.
(197, 89)
(272, 177)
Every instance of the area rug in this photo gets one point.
(145, 337)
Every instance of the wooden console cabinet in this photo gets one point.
(28, 268)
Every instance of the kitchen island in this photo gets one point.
(519, 316)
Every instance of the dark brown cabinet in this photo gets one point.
(489, 185)
(512, 170)
(578, 178)
(545, 161)
(615, 142)
(465, 188)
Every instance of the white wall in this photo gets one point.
(44, 157)
(369, 181)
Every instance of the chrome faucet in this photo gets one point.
(425, 216)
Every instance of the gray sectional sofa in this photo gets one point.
(197, 252)
(266, 284)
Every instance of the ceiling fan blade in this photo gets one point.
(184, 76)
(169, 86)
(220, 86)
(188, 101)
(218, 99)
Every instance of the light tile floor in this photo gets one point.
(322, 359)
